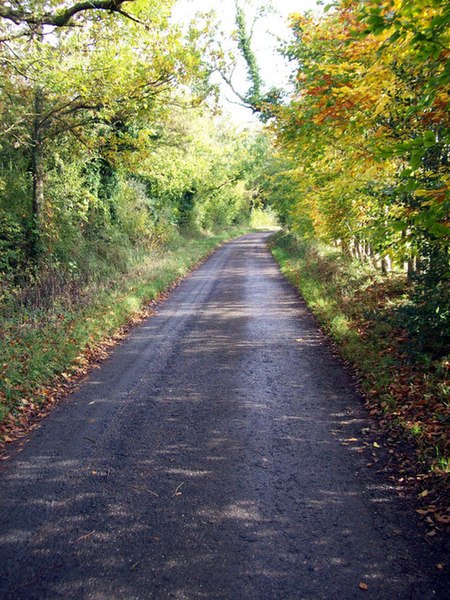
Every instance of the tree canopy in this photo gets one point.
(110, 105)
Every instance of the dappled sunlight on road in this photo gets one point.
(221, 453)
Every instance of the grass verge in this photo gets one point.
(407, 391)
(43, 348)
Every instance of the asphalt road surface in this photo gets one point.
(217, 454)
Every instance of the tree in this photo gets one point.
(90, 84)
(35, 14)
(369, 135)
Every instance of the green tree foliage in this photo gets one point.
(257, 97)
(244, 44)
(107, 146)
(55, 13)
(363, 145)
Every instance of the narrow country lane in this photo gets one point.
(207, 458)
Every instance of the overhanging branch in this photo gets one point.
(244, 101)
(62, 17)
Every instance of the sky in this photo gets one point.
(266, 37)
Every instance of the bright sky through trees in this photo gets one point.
(269, 32)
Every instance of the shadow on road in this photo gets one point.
(232, 463)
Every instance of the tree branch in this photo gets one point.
(245, 101)
(230, 181)
(62, 17)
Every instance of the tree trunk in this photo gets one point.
(37, 171)
(37, 159)
(418, 265)
(410, 269)
(345, 247)
(386, 265)
(37, 163)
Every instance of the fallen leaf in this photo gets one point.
(376, 445)
(444, 519)
(363, 586)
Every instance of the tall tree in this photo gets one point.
(81, 82)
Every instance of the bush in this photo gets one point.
(426, 314)
(133, 211)
(12, 246)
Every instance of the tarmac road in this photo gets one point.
(214, 455)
